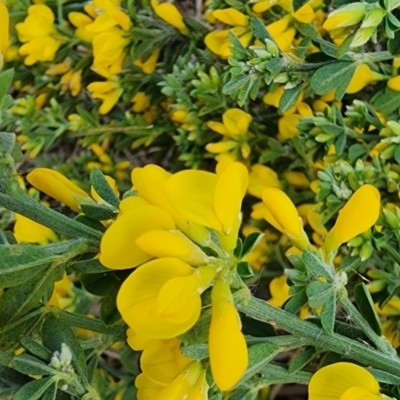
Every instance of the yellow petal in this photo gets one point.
(236, 121)
(282, 210)
(331, 382)
(229, 192)
(164, 361)
(56, 186)
(358, 215)
(279, 290)
(131, 203)
(147, 389)
(192, 193)
(226, 344)
(394, 83)
(260, 178)
(357, 393)
(138, 297)
(231, 16)
(162, 243)
(118, 248)
(4, 30)
(170, 14)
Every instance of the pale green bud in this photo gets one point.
(272, 47)
(362, 36)
(373, 18)
(323, 137)
(394, 126)
(366, 251)
(348, 15)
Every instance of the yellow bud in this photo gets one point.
(348, 15)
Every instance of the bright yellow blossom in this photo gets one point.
(344, 381)
(170, 14)
(148, 66)
(57, 186)
(226, 343)
(4, 31)
(161, 299)
(39, 35)
(358, 215)
(261, 177)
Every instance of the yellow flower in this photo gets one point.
(29, 231)
(4, 31)
(282, 215)
(170, 14)
(358, 215)
(109, 92)
(219, 43)
(211, 200)
(344, 381)
(235, 131)
(231, 16)
(363, 77)
(72, 81)
(141, 101)
(226, 343)
(80, 21)
(39, 35)
(161, 299)
(346, 16)
(261, 177)
(57, 186)
(148, 66)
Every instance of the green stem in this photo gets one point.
(264, 312)
(380, 342)
(25, 205)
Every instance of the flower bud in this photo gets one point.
(346, 16)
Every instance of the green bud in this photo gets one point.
(391, 218)
(272, 47)
(366, 251)
(367, 234)
(353, 181)
(261, 52)
(376, 286)
(374, 17)
(388, 153)
(205, 79)
(356, 242)
(362, 36)
(323, 137)
(214, 76)
(394, 126)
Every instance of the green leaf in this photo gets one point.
(54, 333)
(344, 81)
(109, 313)
(366, 306)
(250, 243)
(103, 188)
(244, 269)
(235, 84)
(329, 77)
(323, 295)
(340, 144)
(289, 98)
(5, 81)
(21, 262)
(397, 153)
(301, 360)
(34, 390)
(259, 31)
(51, 392)
(298, 4)
(196, 352)
(385, 377)
(18, 300)
(394, 44)
(36, 349)
(238, 249)
(260, 355)
(30, 365)
(296, 302)
(386, 101)
(98, 212)
(344, 46)
(238, 50)
(356, 151)
(89, 118)
(89, 267)
(316, 266)
(195, 26)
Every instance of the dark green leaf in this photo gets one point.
(238, 249)
(340, 144)
(244, 269)
(109, 313)
(98, 212)
(21, 262)
(366, 306)
(385, 377)
(394, 44)
(89, 267)
(329, 77)
(235, 84)
(103, 188)
(5, 81)
(35, 348)
(301, 360)
(87, 117)
(296, 302)
(51, 392)
(251, 242)
(259, 31)
(356, 151)
(397, 153)
(56, 332)
(289, 98)
(298, 4)
(316, 266)
(34, 390)
(30, 365)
